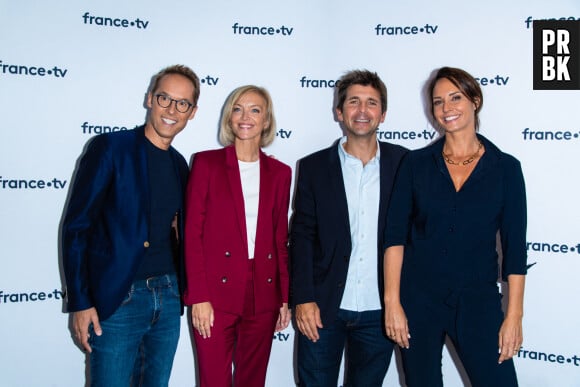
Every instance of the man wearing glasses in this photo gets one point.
(121, 241)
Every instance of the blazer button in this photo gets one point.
(224, 280)
(146, 244)
(270, 256)
(227, 254)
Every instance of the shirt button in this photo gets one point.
(146, 244)
(227, 254)
(451, 229)
(224, 280)
(269, 280)
(270, 256)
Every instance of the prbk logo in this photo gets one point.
(114, 22)
(16, 298)
(556, 55)
(262, 30)
(39, 71)
(427, 29)
(47, 183)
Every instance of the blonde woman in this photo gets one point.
(236, 231)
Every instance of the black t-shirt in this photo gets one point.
(164, 202)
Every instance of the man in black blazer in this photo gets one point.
(336, 243)
(121, 238)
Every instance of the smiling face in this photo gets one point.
(249, 117)
(164, 124)
(451, 108)
(361, 112)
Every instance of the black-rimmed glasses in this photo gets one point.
(181, 105)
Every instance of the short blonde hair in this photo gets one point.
(226, 135)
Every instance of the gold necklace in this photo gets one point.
(469, 160)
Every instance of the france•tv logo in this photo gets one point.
(556, 54)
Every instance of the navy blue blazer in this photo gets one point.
(320, 242)
(105, 231)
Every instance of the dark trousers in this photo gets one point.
(471, 318)
(367, 356)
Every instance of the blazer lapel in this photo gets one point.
(235, 183)
(142, 169)
(338, 190)
(266, 194)
(386, 179)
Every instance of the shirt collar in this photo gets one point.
(345, 156)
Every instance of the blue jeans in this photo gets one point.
(139, 340)
(367, 356)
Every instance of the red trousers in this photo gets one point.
(244, 341)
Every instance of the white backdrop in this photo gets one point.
(66, 75)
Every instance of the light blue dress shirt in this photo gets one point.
(362, 186)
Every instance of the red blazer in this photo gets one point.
(216, 247)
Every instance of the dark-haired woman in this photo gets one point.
(450, 201)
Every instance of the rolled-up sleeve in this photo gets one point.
(401, 206)
(514, 220)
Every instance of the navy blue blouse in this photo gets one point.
(450, 237)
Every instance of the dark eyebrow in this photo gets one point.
(170, 96)
(450, 94)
